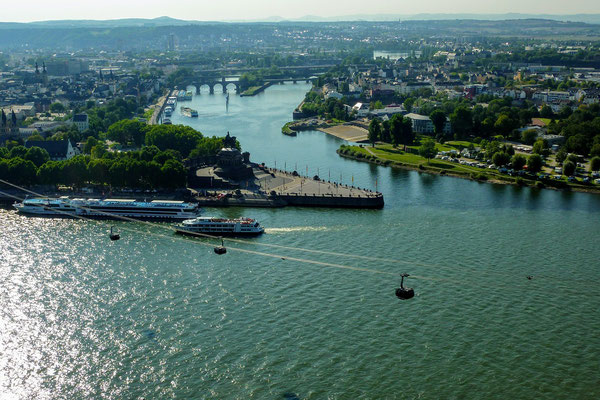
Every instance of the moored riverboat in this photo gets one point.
(108, 208)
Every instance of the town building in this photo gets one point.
(81, 121)
(58, 149)
(423, 124)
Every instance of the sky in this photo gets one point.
(228, 10)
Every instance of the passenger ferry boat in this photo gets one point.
(189, 112)
(220, 227)
(108, 208)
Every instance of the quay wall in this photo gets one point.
(375, 201)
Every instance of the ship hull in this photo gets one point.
(217, 234)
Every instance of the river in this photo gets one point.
(159, 316)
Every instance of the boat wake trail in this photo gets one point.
(299, 229)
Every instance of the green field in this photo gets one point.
(387, 152)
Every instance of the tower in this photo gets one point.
(44, 72)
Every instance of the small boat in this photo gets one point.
(189, 112)
(114, 236)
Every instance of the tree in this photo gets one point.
(438, 118)
(37, 155)
(573, 158)
(401, 130)
(177, 137)
(595, 151)
(561, 155)
(21, 171)
(50, 172)
(386, 135)
(378, 105)
(500, 158)
(546, 112)
(505, 124)
(75, 171)
(408, 103)
(569, 168)
(518, 161)
(374, 131)
(565, 112)
(98, 170)
(17, 151)
(126, 131)
(577, 144)
(534, 163)
(529, 136)
(595, 164)
(89, 144)
(57, 108)
(540, 147)
(427, 149)
(462, 121)
(173, 174)
(98, 150)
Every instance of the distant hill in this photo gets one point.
(168, 21)
(587, 18)
(110, 23)
(153, 34)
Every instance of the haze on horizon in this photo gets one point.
(230, 10)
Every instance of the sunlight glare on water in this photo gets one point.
(161, 316)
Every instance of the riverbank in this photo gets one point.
(307, 124)
(158, 109)
(437, 167)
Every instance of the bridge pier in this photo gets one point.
(211, 89)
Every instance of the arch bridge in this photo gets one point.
(212, 83)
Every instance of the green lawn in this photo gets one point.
(547, 120)
(388, 152)
(457, 143)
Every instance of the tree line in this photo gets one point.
(158, 164)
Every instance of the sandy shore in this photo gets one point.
(350, 133)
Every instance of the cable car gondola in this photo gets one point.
(114, 236)
(221, 249)
(404, 293)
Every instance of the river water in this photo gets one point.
(158, 316)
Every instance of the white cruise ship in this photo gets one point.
(108, 208)
(220, 226)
